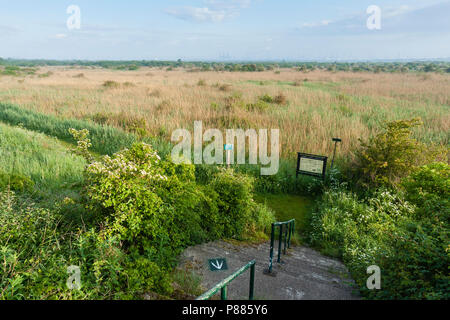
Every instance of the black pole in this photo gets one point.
(272, 240)
(280, 240)
(290, 234)
(336, 140)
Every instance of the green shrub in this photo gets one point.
(234, 101)
(280, 99)
(418, 265)
(260, 220)
(144, 276)
(111, 84)
(392, 154)
(83, 143)
(15, 182)
(157, 208)
(36, 250)
(234, 194)
(259, 106)
(384, 230)
(266, 98)
(428, 187)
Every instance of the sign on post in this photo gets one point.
(219, 264)
(229, 149)
(311, 165)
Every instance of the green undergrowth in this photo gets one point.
(287, 207)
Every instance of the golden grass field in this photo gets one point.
(320, 105)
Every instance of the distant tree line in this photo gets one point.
(194, 66)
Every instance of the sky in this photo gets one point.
(225, 30)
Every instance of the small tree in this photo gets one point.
(392, 154)
(83, 143)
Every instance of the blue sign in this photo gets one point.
(228, 147)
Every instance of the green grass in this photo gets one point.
(288, 207)
(43, 159)
(105, 139)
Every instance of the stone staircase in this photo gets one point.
(304, 274)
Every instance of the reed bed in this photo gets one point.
(318, 105)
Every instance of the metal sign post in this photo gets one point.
(228, 148)
(336, 140)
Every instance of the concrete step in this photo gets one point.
(303, 274)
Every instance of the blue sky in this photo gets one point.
(225, 30)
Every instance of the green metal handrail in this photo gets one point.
(287, 240)
(222, 286)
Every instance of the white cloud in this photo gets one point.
(213, 11)
(228, 4)
(392, 12)
(197, 14)
(60, 36)
(316, 24)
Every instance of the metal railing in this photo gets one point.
(222, 286)
(288, 232)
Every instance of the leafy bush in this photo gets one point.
(234, 101)
(258, 106)
(384, 230)
(260, 220)
(266, 98)
(15, 182)
(111, 84)
(157, 207)
(36, 250)
(392, 154)
(234, 194)
(429, 188)
(280, 99)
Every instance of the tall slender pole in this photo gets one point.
(272, 240)
(252, 283)
(280, 240)
(223, 293)
(290, 234)
(336, 140)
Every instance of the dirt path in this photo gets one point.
(304, 273)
